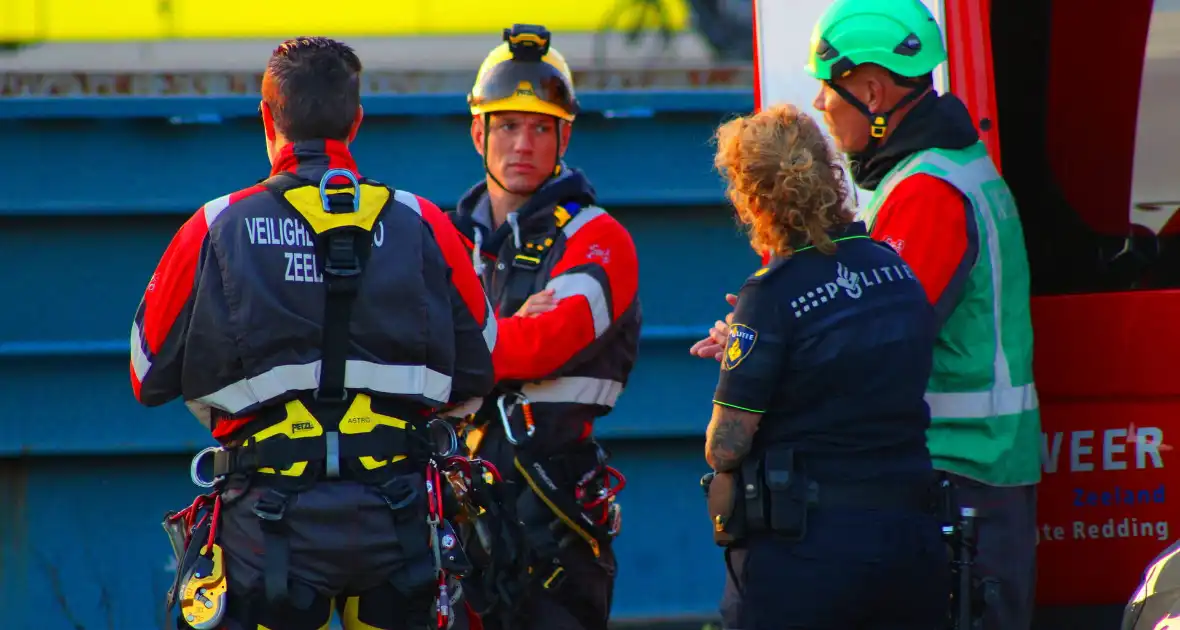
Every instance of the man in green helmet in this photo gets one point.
(940, 202)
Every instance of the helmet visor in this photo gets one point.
(524, 81)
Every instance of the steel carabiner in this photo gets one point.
(195, 474)
(452, 437)
(505, 419)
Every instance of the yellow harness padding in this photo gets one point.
(299, 423)
(306, 201)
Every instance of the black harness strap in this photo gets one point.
(270, 508)
(342, 270)
(527, 262)
(341, 252)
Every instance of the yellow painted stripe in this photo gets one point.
(91, 20)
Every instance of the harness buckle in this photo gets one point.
(524, 261)
(398, 493)
(878, 126)
(340, 398)
(272, 506)
(340, 257)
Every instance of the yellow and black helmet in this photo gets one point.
(524, 74)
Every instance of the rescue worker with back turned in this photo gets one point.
(315, 322)
(823, 490)
(563, 276)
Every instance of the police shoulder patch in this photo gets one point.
(766, 271)
(739, 345)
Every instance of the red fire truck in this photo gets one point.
(1075, 100)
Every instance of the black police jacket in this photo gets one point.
(835, 351)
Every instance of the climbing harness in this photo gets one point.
(330, 433)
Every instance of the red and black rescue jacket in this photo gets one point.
(231, 320)
(573, 362)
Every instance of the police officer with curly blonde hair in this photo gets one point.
(818, 415)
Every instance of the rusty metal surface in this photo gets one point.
(381, 82)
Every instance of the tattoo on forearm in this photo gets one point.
(729, 438)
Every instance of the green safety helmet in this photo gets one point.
(900, 35)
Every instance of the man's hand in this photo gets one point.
(713, 346)
(541, 302)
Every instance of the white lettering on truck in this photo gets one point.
(1112, 444)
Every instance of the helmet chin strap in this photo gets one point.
(878, 122)
(487, 119)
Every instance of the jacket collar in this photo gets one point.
(310, 159)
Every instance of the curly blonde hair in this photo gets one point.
(784, 178)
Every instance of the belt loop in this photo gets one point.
(270, 508)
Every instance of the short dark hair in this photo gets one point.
(313, 87)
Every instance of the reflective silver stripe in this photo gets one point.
(586, 215)
(581, 390)
(1002, 401)
(969, 180)
(587, 286)
(408, 198)
(385, 379)
(139, 359)
(214, 208)
(490, 327)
